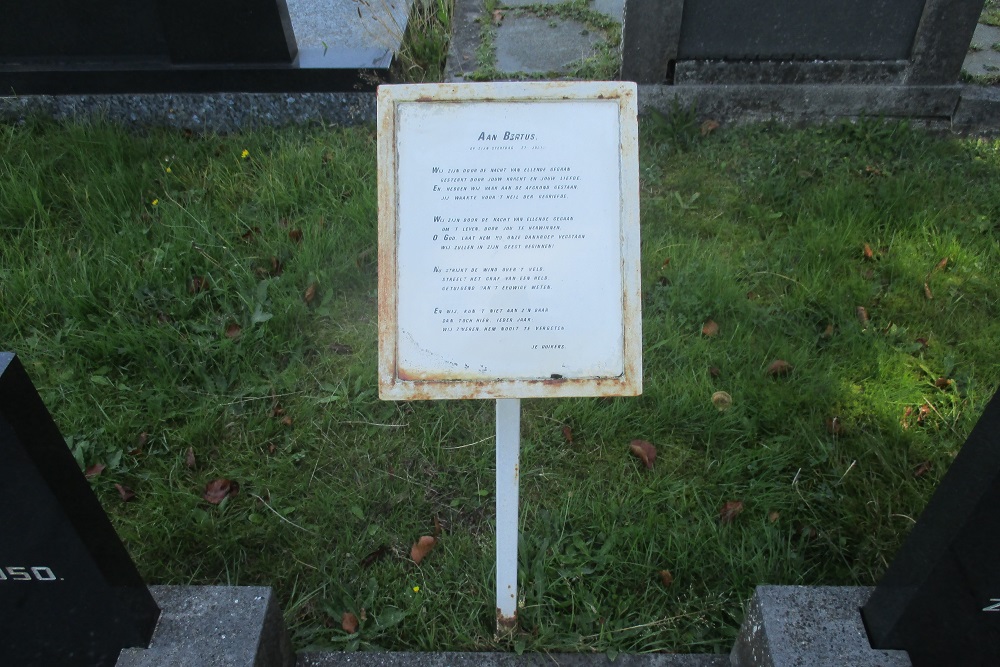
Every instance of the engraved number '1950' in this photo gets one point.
(15, 573)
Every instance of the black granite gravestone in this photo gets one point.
(69, 593)
(940, 597)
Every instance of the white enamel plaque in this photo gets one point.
(508, 240)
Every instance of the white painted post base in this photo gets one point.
(508, 479)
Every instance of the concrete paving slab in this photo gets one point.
(809, 626)
(985, 61)
(508, 660)
(537, 46)
(214, 626)
(349, 24)
(613, 8)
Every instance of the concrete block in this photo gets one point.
(215, 626)
(534, 45)
(804, 626)
(978, 110)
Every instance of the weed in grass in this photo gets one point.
(761, 229)
(991, 13)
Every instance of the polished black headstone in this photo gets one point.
(69, 593)
(940, 597)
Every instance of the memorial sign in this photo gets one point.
(508, 241)
(940, 597)
(508, 256)
(69, 593)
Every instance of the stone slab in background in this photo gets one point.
(215, 626)
(534, 45)
(806, 626)
(507, 660)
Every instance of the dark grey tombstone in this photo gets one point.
(69, 593)
(887, 42)
(67, 47)
(940, 598)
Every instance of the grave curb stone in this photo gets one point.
(215, 626)
(455, 659)
(978, 110)
(809, 626)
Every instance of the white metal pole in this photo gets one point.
(508, 478)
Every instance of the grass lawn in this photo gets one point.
(203, 308)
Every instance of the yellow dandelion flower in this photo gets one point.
(416, 589)
(168, 170)
(155, 202)
(245, 154)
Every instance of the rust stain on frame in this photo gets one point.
(439, 377)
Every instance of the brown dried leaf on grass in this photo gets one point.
(567, 433)
(233, 331)
(189, 459)
(927, 292)
(197, 284)
(94, 470)
(730, 511)
(708, 127)
(219, 489)
(295, 235)
(310, 293)
(862, 314)
(497, 17)
(922, 469)
(421, 548)
(942, 383)
(868, 252)
(710, 328)
(666, 578)
(779, 368)
(722, 400)
(349, 622)
(126, 493)
(644, 451)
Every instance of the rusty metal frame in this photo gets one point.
(394, 387)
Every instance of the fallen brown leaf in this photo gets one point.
(197, 284)
(722, 401)
(927, 292)
(567, 433)
(310, 293)
(381, 552)
(126, 493)
(773, 516)
(942, 383)
(644, 451)
(751, 296)
(708, 127)
(295, 235)
(834, 426)
(827, 331)
(218, 489)
(94, 470)
(942, 265)
(710, 328)
(189, 459)
(714, 371)
(730, 511)
(497, 17)
(862, 313)
(421, 548)
(666, 578)
(233, 331)
(287, 421)
(922, 469)
(922, 341)
(349, 622)
(779, 368)
(868, 252)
